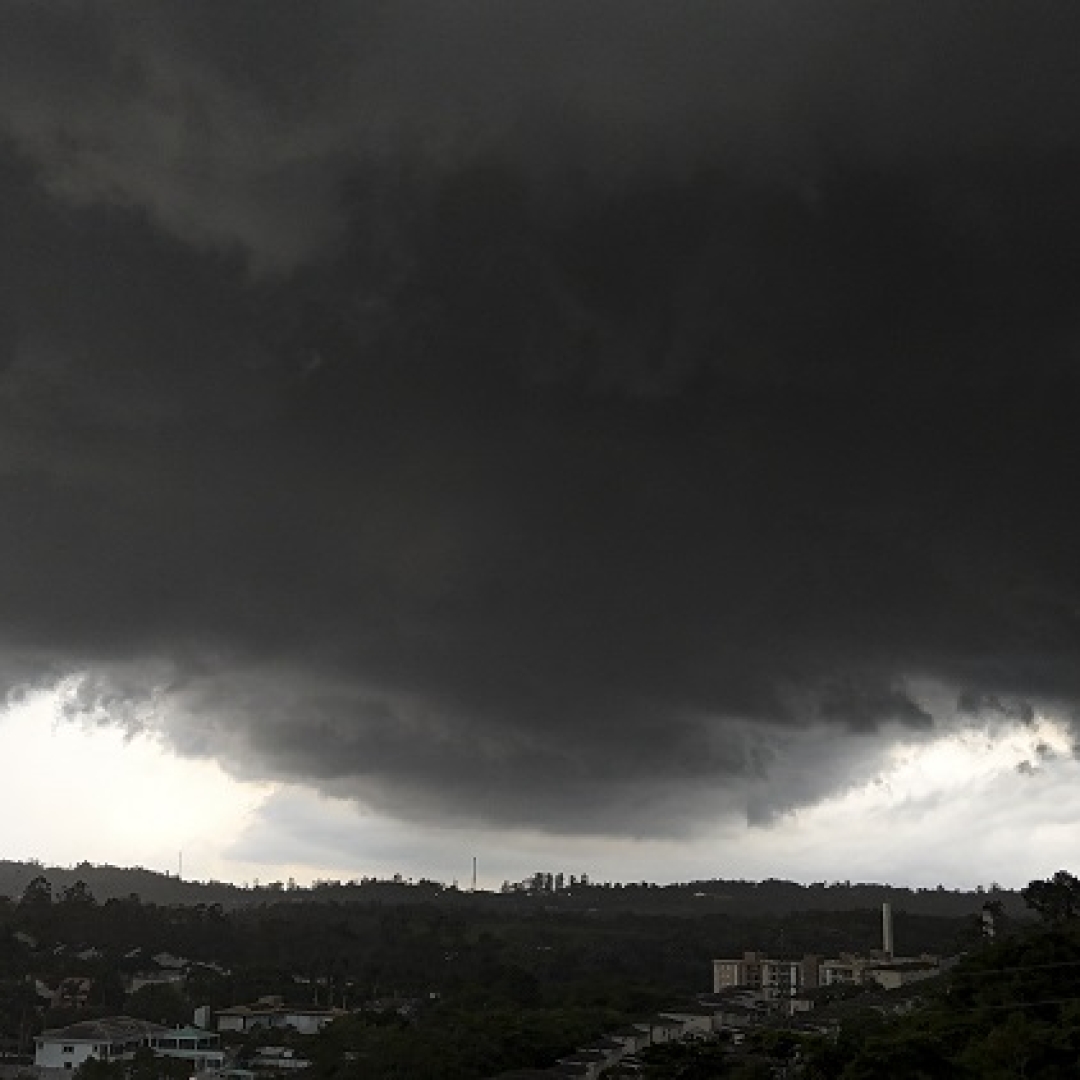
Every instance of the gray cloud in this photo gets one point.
(564, 421)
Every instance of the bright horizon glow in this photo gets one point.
(75, 793)
(78, 793)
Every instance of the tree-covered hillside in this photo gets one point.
(716, 896)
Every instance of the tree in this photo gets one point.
(92, 1069)
(78, 895)
(161, 1003)
(37, 894)
(1055, 900)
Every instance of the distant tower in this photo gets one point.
(988, 927)
(886, 930)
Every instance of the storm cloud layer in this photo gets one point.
(588, 418)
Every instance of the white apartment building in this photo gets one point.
(766, 975)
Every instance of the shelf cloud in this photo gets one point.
(598, 420)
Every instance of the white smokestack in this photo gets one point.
(886, 930)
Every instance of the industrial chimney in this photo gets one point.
(886, 930)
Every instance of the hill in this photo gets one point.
(774, 897)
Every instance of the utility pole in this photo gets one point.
(474, 873)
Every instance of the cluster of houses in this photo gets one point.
(749, 992)
(119, 1038)
(730, 1015)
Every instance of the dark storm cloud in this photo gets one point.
(586, 417)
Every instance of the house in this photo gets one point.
(613, 1049)
(902, 972)
(663, 1029)
(272, 1012)
(695, 1021)
(117, 1038)
(192, 1044)
(277, 1058)
(167, 977)
(889, 973)
(584, 1063)
(167, 960)
(72, 993)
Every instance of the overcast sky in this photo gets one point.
(629, 436)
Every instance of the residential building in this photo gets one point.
(164, 977)
(890, 974)
(771, 977)
(201, 1048)
(277, 1058)
(272, 1012)
(117, 1038)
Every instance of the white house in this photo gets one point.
(116, 1038)
(272, 1012)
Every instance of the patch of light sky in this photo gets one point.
(962, 810)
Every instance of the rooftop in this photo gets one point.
(276, 1008)
(107, 1029)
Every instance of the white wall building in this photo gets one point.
(770, 977)
(116, 1038)
(272, 1012)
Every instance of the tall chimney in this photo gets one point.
(886, 930)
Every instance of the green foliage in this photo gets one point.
(148, 1066)
(1055, 900)
(1009, 1009)
(161, 1003)
(37, 894)
(687, 1061)
(78, 895)
(93, 1069)
(452, 1043)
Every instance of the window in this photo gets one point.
(69, 1049)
